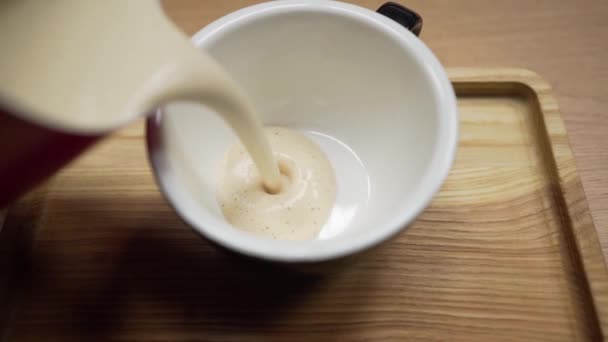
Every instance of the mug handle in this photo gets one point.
(402, 15)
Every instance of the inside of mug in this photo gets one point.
(335, 74)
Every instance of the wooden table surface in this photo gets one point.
(566, 42)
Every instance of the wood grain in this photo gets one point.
(507, 251)
(565, 41)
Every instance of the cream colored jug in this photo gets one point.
(72, 71)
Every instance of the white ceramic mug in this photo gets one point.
(360, 84)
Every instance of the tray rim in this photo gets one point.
(587, 243)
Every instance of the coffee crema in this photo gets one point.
(304, 201)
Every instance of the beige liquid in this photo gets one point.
(303, 204)
(90, 66)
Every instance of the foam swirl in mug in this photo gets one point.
(299, 209)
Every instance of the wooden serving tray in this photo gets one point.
(507, 251)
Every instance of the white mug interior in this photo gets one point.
(340, 73)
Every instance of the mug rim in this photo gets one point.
(320, 250)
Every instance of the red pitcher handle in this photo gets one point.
(30, 153)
